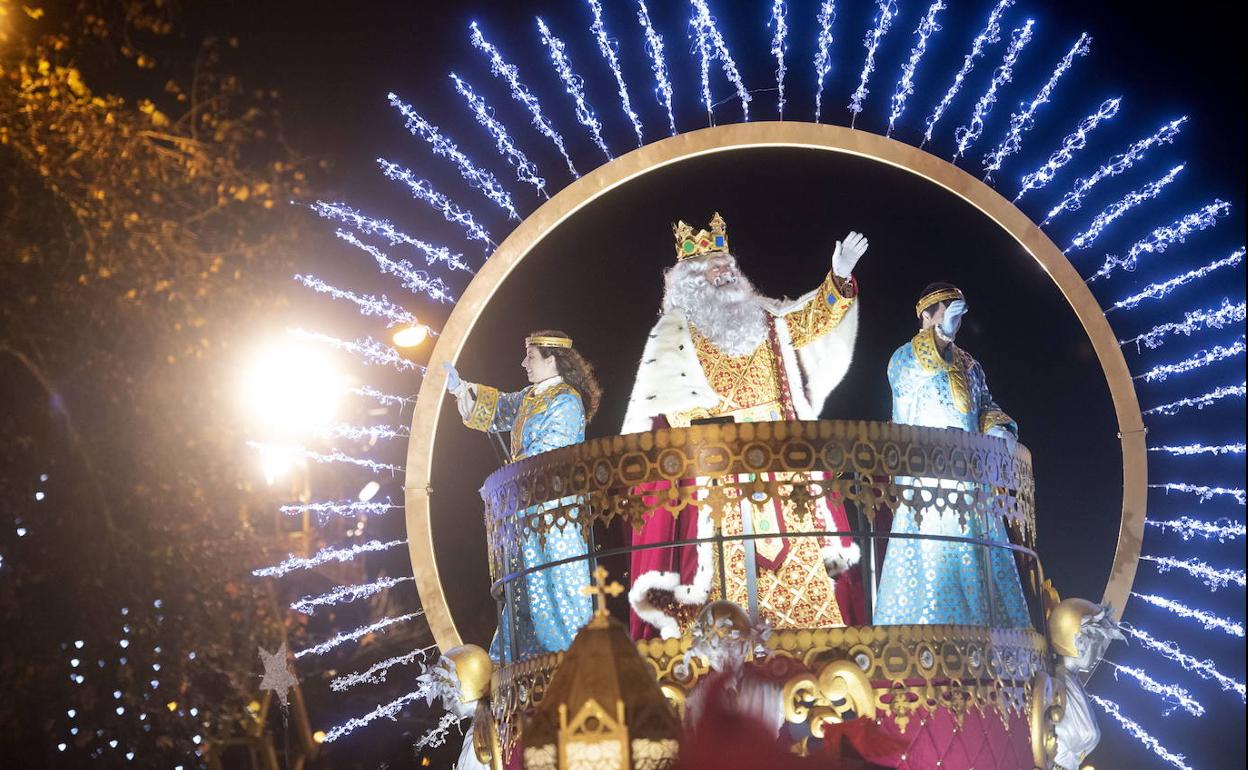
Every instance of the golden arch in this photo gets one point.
(741, 136)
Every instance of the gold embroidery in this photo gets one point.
(818, 316)
(742, 382)
(531, 405)
(483, 411)
(928, 355)
(992, 418)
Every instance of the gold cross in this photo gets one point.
(601, 588)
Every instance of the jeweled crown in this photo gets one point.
(690, 244)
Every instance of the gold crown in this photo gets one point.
(690, 244)
(940, 295)
(548, 342)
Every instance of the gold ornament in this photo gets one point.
(548, 342)
(940, 295)
(700, 244)
(473, 668)
(1064, 623)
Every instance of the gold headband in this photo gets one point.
(548, 342)
(940, 295)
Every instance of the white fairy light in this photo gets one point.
(1212, 577)
(1120, 207)
(367, 303)
(654, 47)
(1140, 734)
(1199, 360)
(608, 52)
(1200, 449)
(779, 44)
(331, 457)
(345, 508)
(989, 35)
(1114, 166)
(905, 85)
(1071, 144)
(1203, 493)
(385, 399)
(365, 432)
(885, 10)
(968, 134)
(508, 72)
(574, 84)
(1161, 289)
(436, 735)
(389, 711)
(416, 281)
(823, 56)
(328, 554)
(366, 224)
(1205, 669)
(1022, 121)
(1193, 321)
(1176, 696)
(351, 636)
(343, 594)
(526, 171)
(368, 350)
(473, 174)
(1201, 401)
(1208, 620)
(1187, 527)
(709, 39)
(376, 673)
(422, 190)
(1161, 238)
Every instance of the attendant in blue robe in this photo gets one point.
(547, 607)
(938, 385)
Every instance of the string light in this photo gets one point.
(1203, 493)
(1205, 619)
(415, 281)
(371, 226)
(1140, 734)
(329, 554)
(526, 171)
(343, 594)
(654, 47)
(709, 38)
(1177, 696)
(968, 134)
(823, 57)
(1122, 206)
(905, 85)
(1161, 289)
(1203, 668)
(1022, 121)
(376, 673)
(473, 174)
(388, 710)
(1114, 166)
(779, 45)
(369, 350)
(436, 735)
(368, 304)
(370, 433)
(351, 636)
(1212, 577)
(451, 211)
(332, 457)
(1200, 449)
(1193, 321)
(1071, 144)
(886, 9)
(608, 52)
(990, 34)
(1161, 238)
(572, 83)
(509, 73)
(346, 508)
(1202, 359)
(385, 399)
(1201, 401)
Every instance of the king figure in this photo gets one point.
(719, 351)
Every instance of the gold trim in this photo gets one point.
(741, 136)
(548, 342)
(940, 295)
(483, 410)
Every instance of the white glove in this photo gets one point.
(953, 318)
(452, 377)
(1000, 431)
(847, 254)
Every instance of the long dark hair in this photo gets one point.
(575, 371)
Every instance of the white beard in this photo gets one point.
(730, 315)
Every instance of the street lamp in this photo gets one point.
(411, 336)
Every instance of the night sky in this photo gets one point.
(598, 276)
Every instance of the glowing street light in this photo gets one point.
(292, 387)
(411, 336)
(369, 491)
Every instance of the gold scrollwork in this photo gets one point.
(1046, 708)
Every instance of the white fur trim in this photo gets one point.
(669, 378)
(695, 593)
(826, 360)
(838, 558)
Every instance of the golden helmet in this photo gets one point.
(473, 667)
(720, 618)
(1065, 621)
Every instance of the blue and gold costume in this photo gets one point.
(549, 606)
(929, 581)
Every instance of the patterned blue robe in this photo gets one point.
(926, 581)
(548, 605)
